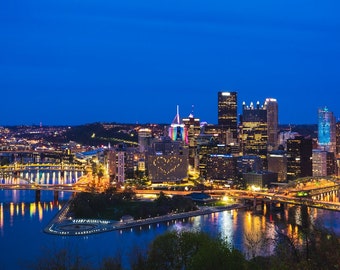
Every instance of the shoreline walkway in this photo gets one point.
(63, 225)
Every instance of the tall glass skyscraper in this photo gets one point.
(254, 130)
(326, 130)
(227, 112)
(259, 128)
(299, 157)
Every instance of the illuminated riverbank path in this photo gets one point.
(64, 225)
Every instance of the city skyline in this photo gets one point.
(70, 63)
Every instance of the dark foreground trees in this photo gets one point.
(170, 251)
(190, 250)
(318, 249)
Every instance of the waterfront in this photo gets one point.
(23, 219)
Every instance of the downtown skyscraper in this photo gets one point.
(254, 130)
(272, 122)
(259, 129)
(227, 112)
(326, 130)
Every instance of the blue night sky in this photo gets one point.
(68, 62)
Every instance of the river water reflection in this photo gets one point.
(23, 216)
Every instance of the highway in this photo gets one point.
(283, 196)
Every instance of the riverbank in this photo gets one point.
(63, 224)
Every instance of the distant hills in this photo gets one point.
(112, 133)
(306, 130)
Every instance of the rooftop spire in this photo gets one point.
(191, 115)
(177, 119)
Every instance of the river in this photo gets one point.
(23, 218)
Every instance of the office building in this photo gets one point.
(299, 157)
(246, 164)
(319, 162)
(259, 129)
(254, 131)
(221, 168)
(337, 129)
(250, 163)
(227, 114)
(277, 162)
(324, 163)
(167, 161)
(326, 130)
(272, 123)
(259, 180)
(144, 139)
(177, 130)
(208, 144)
(193, 130)
(124, 163)
(331, 164)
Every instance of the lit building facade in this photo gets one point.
(331, 164)
(326, 130)
(124, 163)
(277, 162)
(111, 163)
(250, 163)
(216, 131)
(272, 123)
(177, 130)
(193, 130)
(259, 179)
(254, 131)
(337, 139)
(120, 176)
(324, 163)
(245, 164)
(227, 113)
(144, 139)
(299, 157)
(221, 167)
(168, 161)
(208, 144)
(319, 162)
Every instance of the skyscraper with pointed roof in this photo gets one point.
(177, 128)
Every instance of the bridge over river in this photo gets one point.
(41, 173)
(313, 192)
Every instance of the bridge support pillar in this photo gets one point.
(37, 195)
(269, 206)
(282, 206)
(55, 196)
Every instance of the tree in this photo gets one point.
(192, 250)
(112, 263)
(255, 243)
(163, 253)
(319, 249)
(60, 259)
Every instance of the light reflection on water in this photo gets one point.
(22, 220)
